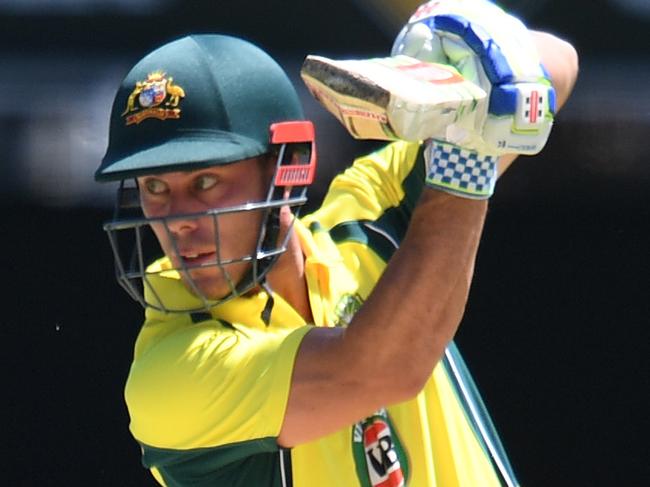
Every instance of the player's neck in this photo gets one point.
(287, 277)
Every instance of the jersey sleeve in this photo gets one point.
(380, 188)
(211, 385)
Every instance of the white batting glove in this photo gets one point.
(494, 50)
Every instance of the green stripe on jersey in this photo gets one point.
(385, 234)
(358, 232)
(254, 462)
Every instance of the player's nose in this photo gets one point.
(182, 217)
(182, 225)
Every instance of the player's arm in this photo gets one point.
(560, 59)
(390, 348)
(393, 343)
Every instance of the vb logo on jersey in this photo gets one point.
(156, 97)
(378, 454)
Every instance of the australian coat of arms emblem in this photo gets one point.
(156, 97)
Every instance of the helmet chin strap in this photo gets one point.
(268, 307)
(257, 274)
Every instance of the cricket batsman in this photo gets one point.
(287, 350)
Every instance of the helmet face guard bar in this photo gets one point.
(294, 172)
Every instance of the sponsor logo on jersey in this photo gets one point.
(156, 97)
(379, 456)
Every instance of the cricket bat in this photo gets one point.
(392, 98)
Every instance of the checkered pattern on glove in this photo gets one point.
(459, 171)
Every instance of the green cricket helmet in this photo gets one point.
(200, 100)
(196, 102)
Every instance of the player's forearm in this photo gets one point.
(416, 307)
(398, 336)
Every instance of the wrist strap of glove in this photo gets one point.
(459, 171)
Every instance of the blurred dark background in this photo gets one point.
(556, 333)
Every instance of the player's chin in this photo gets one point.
(214, 283)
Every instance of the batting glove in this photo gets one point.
(495, 51)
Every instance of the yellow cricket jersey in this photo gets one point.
(207, 392)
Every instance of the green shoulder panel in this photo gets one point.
(385, 234)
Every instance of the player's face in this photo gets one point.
(180, 193)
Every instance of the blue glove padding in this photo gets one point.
(495, 51)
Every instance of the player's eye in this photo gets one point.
(156, 186)
(205, 182)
